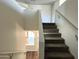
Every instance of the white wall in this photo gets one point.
(68, 33)
(45, 12)
(41, 38)
(54, 7)
(31, 20)
(13, 4)
(19, 56)
(8, 20)
(12, 25)
(70, 10)
(11, 30)
(53, 12)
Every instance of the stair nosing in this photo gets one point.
(51, 33)
(56, 45)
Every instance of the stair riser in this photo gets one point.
(49, 24)
(52, 35)
(56, 50)
(54, 41)
(50, 27)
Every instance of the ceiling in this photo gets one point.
(37, 2)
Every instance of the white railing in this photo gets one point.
(66, 19)
(10, 54)
(41, 38)
(76, 36)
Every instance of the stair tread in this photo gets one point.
(52, 29)
(55, 38)
(59, 54)
(51, 33)
(56, 45)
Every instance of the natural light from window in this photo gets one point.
(61, 2)
(30, 36)
(24, 5)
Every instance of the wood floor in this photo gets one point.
(32, 55)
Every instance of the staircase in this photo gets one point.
(55, 47)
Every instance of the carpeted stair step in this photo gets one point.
(58, 55)
(56, 48)
(51, 30)
(54, 40)
(49, 24)
(52, 34)
(49, 27)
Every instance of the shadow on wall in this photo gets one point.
(68, 33)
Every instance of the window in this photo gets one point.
(61, 2)
(31, 38)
